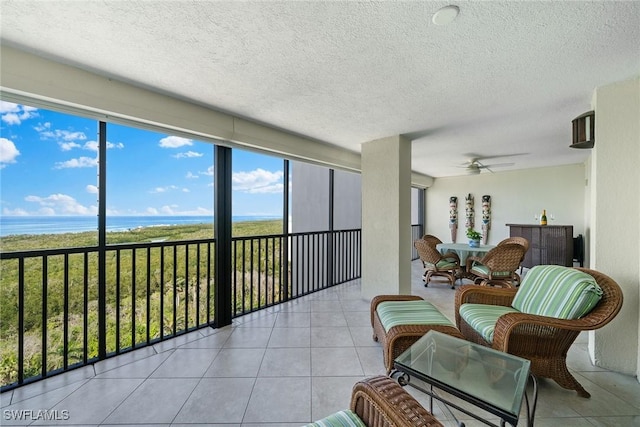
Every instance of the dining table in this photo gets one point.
(463, 250)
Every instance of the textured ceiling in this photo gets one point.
(504, 78)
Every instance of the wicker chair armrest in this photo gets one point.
(510, 321)
(471, 260)
(476, 294)
(380, 402)
(381, 298)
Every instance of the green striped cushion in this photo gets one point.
(483, 269)
(556, 291)
(345, 418)
(417, 312)
(443, 264)
(483, 317)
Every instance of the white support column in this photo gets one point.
(615, 211)
(386, 216)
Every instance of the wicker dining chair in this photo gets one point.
(498, 267)
(543, 340)
(437, 264)
(520, 240)
(431, 239)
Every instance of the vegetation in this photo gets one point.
(151, 292)
(473, 234)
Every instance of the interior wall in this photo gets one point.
(615, 221)
(516, 197)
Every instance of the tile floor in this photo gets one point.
(284, 366)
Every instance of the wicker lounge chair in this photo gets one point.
(380, 402)
(542, 339)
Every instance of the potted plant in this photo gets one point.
(474, 238)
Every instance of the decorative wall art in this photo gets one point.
(469, 214)
(453, 217)
(486, 217)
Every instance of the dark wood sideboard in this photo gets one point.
(548, 244)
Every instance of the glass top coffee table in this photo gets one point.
(491, 380)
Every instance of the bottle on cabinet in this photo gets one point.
(543, 218)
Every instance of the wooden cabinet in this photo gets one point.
(548, 244)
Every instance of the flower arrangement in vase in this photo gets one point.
(474, 238)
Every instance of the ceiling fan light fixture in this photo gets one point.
(473, 170)
(445, 15)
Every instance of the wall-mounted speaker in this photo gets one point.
(583, 130)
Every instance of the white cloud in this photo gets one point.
(188, 154)
(267, 189)
(209, 171)
(191, 176)
(163, 189)
(60, 134)
(41, 127)
(68, 146)
(91, 189)
(11, 119)
(46, 211)
(14, 212)
(8, 107)
(173, 210)
(80, 162)
(14, 114)
(174, 142)
(8, 152)
(169, 210)
(186, 190)
(61, 204)
(93, 145)
(257, 181)
(152, 211)
(114, 145)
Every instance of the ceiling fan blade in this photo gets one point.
(498, 165)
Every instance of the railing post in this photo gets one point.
(284, 260)
(102, 240)
(330, 244)
(222, 224)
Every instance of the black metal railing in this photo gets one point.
(154, 291)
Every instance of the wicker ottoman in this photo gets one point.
(400, 320)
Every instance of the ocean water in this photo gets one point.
(10, 225)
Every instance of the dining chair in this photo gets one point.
(437, 264)
(520, 240)
(498, 267)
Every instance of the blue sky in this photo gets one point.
(48, 166)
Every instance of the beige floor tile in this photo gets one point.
(217, 400)
(236, 362)
(290, 337)
(331, 337)
(335, 361)
(330, 394)
(186, 363)
(286, 362)
(285, 400)
(156, 401)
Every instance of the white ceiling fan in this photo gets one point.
(474, 165)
